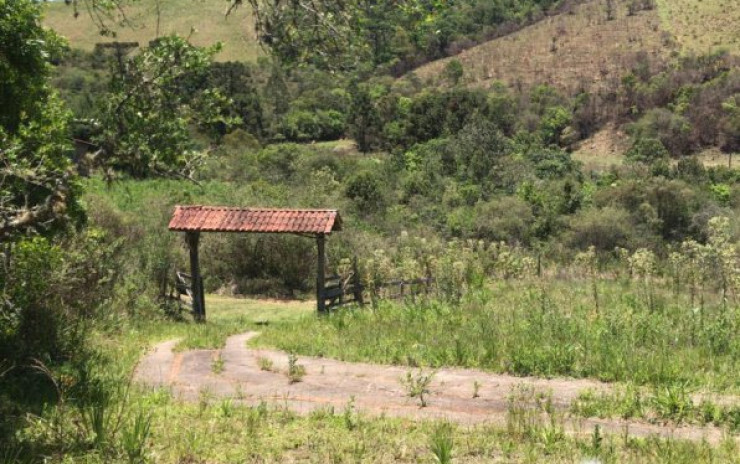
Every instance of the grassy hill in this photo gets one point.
(203, 20)
(583, 49)
(571, 50)
(702, 26)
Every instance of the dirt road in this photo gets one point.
(375, 389)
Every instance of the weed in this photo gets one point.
(596, 440)
(417, 386)
(134, 437)
(217, 366)
(349, 415)
(532, 415)
(226, 408)
(204, 400)
(265, 364)
(97, 420)
(476, 389)
(442, 443)
(672, 402)
(295, 371)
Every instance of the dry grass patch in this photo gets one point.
(603, 149)
(702, 26)
(203, 19)
(581, 49)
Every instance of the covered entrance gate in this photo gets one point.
(314, 223)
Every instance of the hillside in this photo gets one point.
(582, 49)
(702, 26)
(205, 20)
(570, 51)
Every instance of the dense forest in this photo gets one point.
(542, 263)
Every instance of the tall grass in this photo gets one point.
(538, 329)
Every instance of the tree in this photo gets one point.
(155, 100)
(363, 117)
(647, 150)
(37, 183)
(453, 71)
(337, 34)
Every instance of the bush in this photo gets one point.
(367, 191)
(49, 290)
(505, 219)
(553, 123)
(604, 228)
(647, 150)
(308, 126)
(453, 71)
(673, 130)
(479, 151)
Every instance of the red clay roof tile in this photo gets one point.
(231, 219)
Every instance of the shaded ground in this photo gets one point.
(235, 372)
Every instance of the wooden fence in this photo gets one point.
(184, 287)
(338, 290)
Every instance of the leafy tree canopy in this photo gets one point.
(156, 98)
(37, 184)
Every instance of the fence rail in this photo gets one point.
(339, 292)
(184, 287)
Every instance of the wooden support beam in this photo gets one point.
(320, 277)
(356, 282)
(199, 303)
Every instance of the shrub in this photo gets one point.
(647, 150)
(508, 219)
(604, 228)
(307, 126)
(366, 190)
(49, 291)
(673, 130)
(553, 123)
(453, 71)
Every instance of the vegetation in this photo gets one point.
(142, 21)
(458, 174)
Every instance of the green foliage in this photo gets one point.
(154, 101)
(528, 330)
(442, 444)
(671, 129)
(134, 437)
(553, 123)
(367, 191)
(50, 294)
(24, 70)
(362, 36)
(38, 191)
(417, 386)
(453, 71)
(672, 403)
(307, 126)
(648, 151)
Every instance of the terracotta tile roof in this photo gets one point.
(230, 219)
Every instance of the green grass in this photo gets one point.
(202, 20)
(226, 316)
(671, 403)
(142, 425)
(548, 330)
(222, 431)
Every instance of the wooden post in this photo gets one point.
(320, 278)
(196, 283)
(357, 282)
